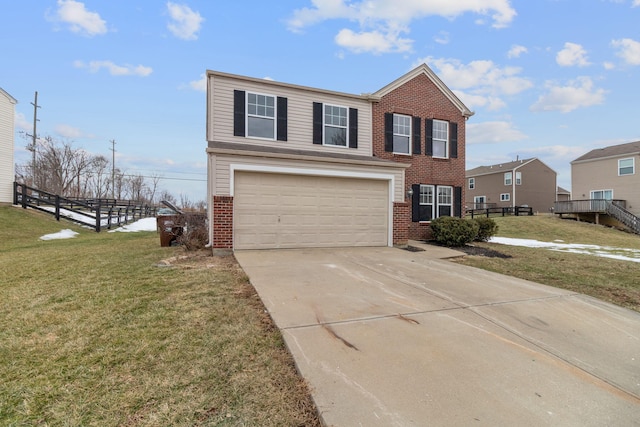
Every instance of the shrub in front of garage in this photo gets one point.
(454, 231)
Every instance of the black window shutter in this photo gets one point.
(238, 112)
(388, 132)
(282, 119)
(415, 203)
(353, 128)
(317, 123)
(428, 130)
(417, 140)
(457, 201)
(453, 140)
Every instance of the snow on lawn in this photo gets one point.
(62, 234)
(623, 254)
(144, 224)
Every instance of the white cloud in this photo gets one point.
(385, 21)
(572, 55)
(628, 49)
(185, 22)
(115, 70)
(199, 85)
(636, 3)
(479, 83)
(21, 122)
(576, 94)
(516, 51)
(373, 41)
(67, 131)
(79, 19)
(442, 37)
(493, 133)
(608, 65)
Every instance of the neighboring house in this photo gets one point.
(563, 195)
(292, 166)
(7, 128)
(527, 182)
(609, 173)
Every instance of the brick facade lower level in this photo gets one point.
(401, 216)
(222, 222)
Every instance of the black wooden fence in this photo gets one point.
(94, 213)
(516, 210)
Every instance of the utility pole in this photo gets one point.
(113, 168)
(33, 136)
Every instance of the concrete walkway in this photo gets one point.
(388, 337)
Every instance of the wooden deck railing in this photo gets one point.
(585, 206)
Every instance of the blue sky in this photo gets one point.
(551, 79)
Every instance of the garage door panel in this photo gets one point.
(289, 211)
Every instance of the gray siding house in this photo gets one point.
(7, 128)
(609, 173)
(527, 182)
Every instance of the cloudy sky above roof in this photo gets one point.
(550, 78)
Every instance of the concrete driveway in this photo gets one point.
(387, 337)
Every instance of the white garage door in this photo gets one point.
(297, 211)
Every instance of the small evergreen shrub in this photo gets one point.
(453, 231)
(487, 228)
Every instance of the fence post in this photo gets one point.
(58, 208)
(98, 220)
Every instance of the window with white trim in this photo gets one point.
(401, 134)
(335, 125)
(518, 178)
(426, 202)
(261, 116)
(440, 139)
(602, 194)
(472, 183)
(445, 200)
(505, 197)
(626, 167)
(508, 178)
(479, 202)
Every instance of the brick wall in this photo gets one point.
(419, 97)
(222, 222)
(401, 221)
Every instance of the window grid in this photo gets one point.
(401, 134)
(472, 183)
(508, 178)
(518, 178)
(335, 122)
(261, 113)
(505, 197)
(626, 167)
(440, 138)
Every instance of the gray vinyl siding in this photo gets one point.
(7, 114)
(300, 114)
(602, 174)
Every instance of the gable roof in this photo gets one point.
(424, 69)
(11, 98)
(498, 168)
(612, 151)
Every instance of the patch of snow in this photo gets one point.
(144, 224)
(62, 234)
(623, 254)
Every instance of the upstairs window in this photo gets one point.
(626, 167)
(472, 183)
(508, 178)
(440, 138)
(518, 178)
(261, 116)
(401, 134)
(335, 125)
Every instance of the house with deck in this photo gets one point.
(523, 182)
(292, 166)
(606, 186)
(7, 130)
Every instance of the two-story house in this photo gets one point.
(608, 174)
(292, 166)
(7, 174)
(526, 182)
